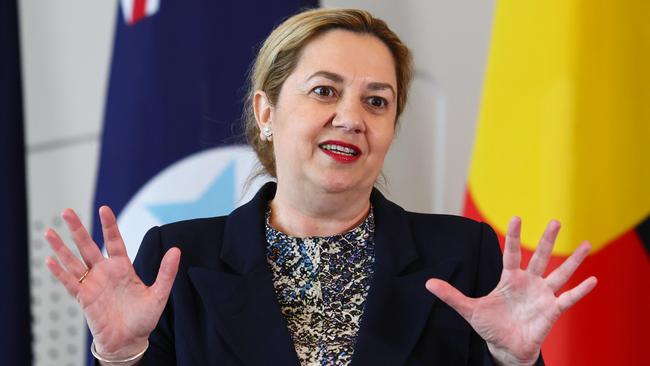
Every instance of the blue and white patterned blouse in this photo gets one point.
(322, 284)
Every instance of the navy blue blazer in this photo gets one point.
(223, 308)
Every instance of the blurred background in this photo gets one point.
(101, 77)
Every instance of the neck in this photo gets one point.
(302, 214)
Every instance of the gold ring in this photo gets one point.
(84, 275)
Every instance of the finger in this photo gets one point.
(87, 247)
(71, 262)
(452, 297)
(569, 298)
(511, 251)
(561, 275)
(166, 274)
(540, 258)
(112, 237)
(70, 283)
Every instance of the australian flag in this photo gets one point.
(172, 141)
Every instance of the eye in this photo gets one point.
(377, 102)
(324, 91)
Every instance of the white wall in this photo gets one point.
(66, 49)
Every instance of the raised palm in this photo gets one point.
(120, 309)
(515, 318)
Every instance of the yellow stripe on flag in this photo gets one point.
(564, 126)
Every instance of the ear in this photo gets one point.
(262, 108)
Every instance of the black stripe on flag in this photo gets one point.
(644, 233)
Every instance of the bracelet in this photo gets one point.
(93, 350)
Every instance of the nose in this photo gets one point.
(349, 116)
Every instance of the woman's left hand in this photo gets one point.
(515, 318)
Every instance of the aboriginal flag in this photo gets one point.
(564, 132)
(15, 341)
(171, 145)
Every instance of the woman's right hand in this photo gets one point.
(120, 309)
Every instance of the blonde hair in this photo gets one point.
(279, 55)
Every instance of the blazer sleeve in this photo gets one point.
(490, 266)
(161, 350)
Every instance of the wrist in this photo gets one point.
(503, 358)
(126, 356)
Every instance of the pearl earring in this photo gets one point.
(267, 132)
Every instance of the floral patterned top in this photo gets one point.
(322, 284)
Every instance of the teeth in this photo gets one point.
(340, 149)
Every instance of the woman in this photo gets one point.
(319, 268)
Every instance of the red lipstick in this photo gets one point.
(340, 151)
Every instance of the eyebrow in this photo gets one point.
(327, 75)
(381, 86)
(339, 79)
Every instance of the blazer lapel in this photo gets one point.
(398, 304)
(243, 303)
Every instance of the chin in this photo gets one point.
(338, 185)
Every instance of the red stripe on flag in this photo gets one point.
(611, 325)
(139, 7)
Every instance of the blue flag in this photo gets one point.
(15, 340)
(172, 144)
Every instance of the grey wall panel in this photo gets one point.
(65, 49)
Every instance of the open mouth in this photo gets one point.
(340, 151)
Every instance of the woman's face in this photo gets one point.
(335, 116)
